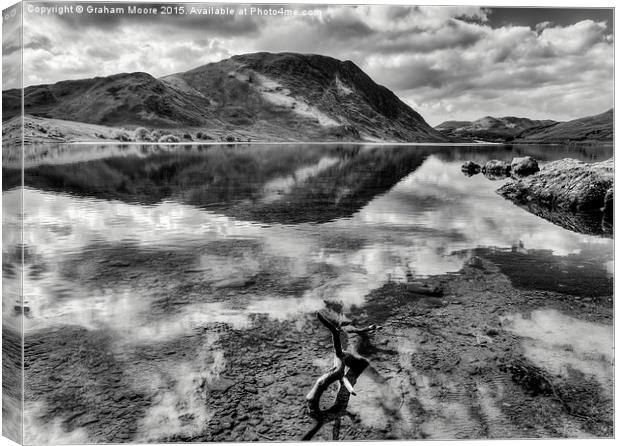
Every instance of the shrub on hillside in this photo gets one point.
(142, 134)
(121, 135)
(168, 138)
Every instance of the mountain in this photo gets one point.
(121, 99)
(599, 128)
(491, 129)
(284, 96)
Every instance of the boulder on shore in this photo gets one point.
(524, 166)
(568, 190)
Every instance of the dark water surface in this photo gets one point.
(152, 254)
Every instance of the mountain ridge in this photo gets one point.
(489, 128)
(589, 128)
(595, 128)
(274, 96)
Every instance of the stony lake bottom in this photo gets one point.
(170, 294)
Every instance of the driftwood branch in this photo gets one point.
(335, 374)
(364, 330)
(343, 360)
(335, 334)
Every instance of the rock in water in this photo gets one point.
(496, 166)
(496, 169)
(524, 166)
(567, 184)
(470, 168)
(570, 193)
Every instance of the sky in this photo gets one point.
(448, 63)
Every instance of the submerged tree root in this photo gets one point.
(343, 360)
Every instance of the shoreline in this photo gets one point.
(360, 143)
(32, 130)
(249, 143)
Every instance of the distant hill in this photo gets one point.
(284, 96)
(491, 129)
(447, 126)
(591, 128)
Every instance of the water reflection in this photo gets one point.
(558, 342)
(151, 246)
(413, 229)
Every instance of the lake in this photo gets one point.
(170, 294)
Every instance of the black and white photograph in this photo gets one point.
(229, 222)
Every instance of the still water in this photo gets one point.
(147, 258)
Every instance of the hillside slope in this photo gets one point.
(307, 91)
(598, 128)
(490, 128)
(45, 130)
(261, 96)
(121, 99)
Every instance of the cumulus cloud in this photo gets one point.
(543, 25)
(561, 73)
(447, 62)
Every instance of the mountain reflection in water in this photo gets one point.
(147, 245)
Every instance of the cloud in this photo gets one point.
(38, 41)
(542, 25)
(577, 38)
(451, 62)
(559, 72)
(11, 45)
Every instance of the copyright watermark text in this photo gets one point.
(171, 9)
